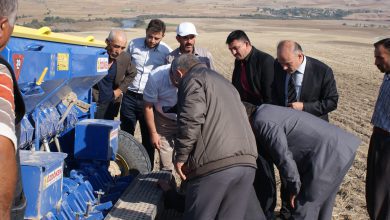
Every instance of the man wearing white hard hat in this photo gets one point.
(186, 35)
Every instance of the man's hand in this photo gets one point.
(117, 93)
(155, 140)
(292, 200)
(180, 169)
(296, 105)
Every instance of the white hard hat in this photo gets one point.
(186, 28)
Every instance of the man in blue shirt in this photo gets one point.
(146, 53)
(378, 160)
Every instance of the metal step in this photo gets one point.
(143, 199)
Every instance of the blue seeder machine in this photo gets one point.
(66, 153)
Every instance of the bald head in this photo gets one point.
(181, 65)
(184, 62)
(290, 55)
(117, 35)
(116, 43)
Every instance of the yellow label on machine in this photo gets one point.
(52, 177)
(62, 61)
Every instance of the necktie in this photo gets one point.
(292, 93)
(244, 82)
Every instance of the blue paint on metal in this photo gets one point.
(75, 69)
(26, 134)
(91, 145)
(90, 134)
(42, 181)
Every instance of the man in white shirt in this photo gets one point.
(161, 93)
(146, 53)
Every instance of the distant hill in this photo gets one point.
(374, 10)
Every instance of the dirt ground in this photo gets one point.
(346, 49)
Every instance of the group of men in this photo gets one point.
(194, 118)
(223, 137)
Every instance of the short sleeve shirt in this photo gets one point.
(160, 91)
(7, 105)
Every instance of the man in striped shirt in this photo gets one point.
(12, 201)
(378, 161)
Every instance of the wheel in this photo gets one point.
(131, 157)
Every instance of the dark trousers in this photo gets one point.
(174, 200)
(222, 195)
(378, 176)
(320, 208)
(107, 111)
(285, 209)
(265, 185)
(132, 110)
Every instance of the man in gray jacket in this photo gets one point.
(215, 147)
(312, 155)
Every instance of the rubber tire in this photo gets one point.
(133, 154)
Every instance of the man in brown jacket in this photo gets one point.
(108, 92)
(215, 146)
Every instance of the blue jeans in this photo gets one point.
(132, 110)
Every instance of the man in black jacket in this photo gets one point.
(215, 146)
(253, 72)
(253, 77)
(109, 91)
(12, 200)
(313, 81)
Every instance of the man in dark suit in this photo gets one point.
(253, 75)
(303, 83)
(109, 91)
(253, 69)
(312, 155)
